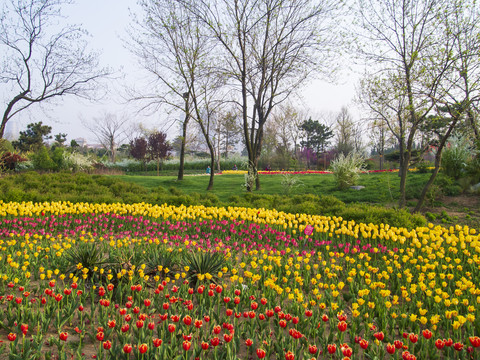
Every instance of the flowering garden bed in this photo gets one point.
(161, 282)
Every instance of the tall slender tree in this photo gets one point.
(270, 47)
(401, 39)
(42, 62)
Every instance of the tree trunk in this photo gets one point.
(8, 110)
(212, 163)
(438, 160)
(402, 173)
(182, 147)
(158, 166)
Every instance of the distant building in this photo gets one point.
(81, 142)
(11, 131)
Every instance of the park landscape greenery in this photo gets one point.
(95, 266)
(304, 264)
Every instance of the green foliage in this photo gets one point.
(33, 137)
(6, 146)
(57, 156)
(456, 156)
(317, 136)
(201, 263)
(88, 256)
(42, 160)
(319, 196)
(158, 261)
(423, 167)
(290, 183)
(347, 169)
(448, 185)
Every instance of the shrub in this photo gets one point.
(9, 161)
(201, 263)
(456, 156)
(347, 169)
(290, 183)
(42, 161)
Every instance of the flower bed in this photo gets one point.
(161, 282)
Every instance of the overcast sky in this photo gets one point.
(106, 21)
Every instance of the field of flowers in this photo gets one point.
(145, 281)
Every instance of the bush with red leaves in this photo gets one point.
(8, 160)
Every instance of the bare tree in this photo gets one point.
(402, 40)
(348, 133)
(171, 47)
(40, 61)
(110, 131)
(269, 48)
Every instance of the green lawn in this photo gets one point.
(380, 188)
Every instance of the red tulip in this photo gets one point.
(427, 334)
(282, 323)
(398, 344)
(143, 348)
(325, 318)
(263, 301)
(127, 349)
(227, 338)
(125, 328)
(448, 342)
(111, 324)
(218, 289)
(261, 353)
(379, 336)
(215, 341)
(475, 341)
(249, 342)
(24, 328)
(107, 345)
(347, 351)
(198, 324)
(308, 313)
(439, 344)
(363, 344)
(100, 336)
(151, 325)
(289, 356)
(217, 329)
(229, 312)
(206, 318)
(332, 348)
(147, 302)
(204, 345)
(413, 338)
(390, 348)
(312, 349)
(139, 324)
(342, 326)
(187, 320)
(171, 328)
(12, 336)
(63, 336)
(157, 342)
(458, 346)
